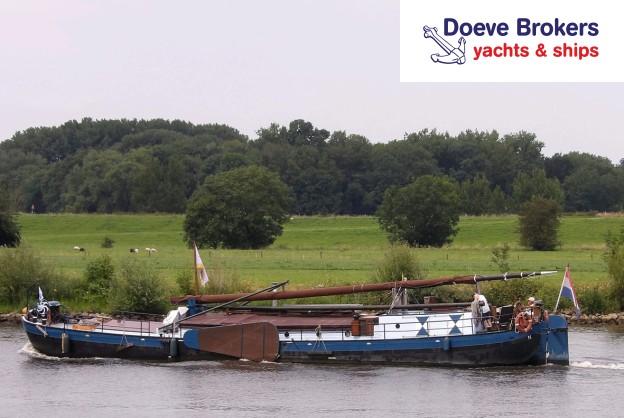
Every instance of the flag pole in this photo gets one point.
(195, 268)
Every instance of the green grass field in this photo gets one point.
(314, 250)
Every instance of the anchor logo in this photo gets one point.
(453, 55)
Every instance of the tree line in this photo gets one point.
(148, 166)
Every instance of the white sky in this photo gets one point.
(250, 63)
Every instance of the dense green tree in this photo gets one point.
(297, 154)
(500, 203)
(539, 223)
(559, 166)
(10, 235)
(119, 182)
(86, 185)
(423, 213)
(398, 163)
(528, 185)
(594, 184)
(160, 188)
(20, 175)
(501, 166)
(242, 208)
(528, 150)
(301, 132)
(9, 230)
(109, 166)
(476, 196)
(351, 155)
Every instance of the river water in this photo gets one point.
(33, 385)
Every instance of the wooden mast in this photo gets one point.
(360, 288)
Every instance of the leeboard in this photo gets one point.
(258, 341)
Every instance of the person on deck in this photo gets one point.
(481, 313)
(533, 309)
(477, 314)
(487, 315)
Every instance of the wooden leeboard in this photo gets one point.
(256, 341)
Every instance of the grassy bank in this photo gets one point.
(313, 250)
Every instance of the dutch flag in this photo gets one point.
(567, 291)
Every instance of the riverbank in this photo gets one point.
(14, 318)
(598, 319)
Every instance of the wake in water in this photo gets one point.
(590, 365)
(30, 351)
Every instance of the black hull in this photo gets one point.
(519, 352)
(52, 346)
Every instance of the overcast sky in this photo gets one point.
(250, 63)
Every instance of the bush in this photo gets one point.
(225, 280)
(500, 257)
(450, 294)
(19, 269)
(184, 282)
(100, 278)
(539, 223)
(614, 259)
(140, 289)
(592, 300)
(502, 293)
(398, 262)
(107, 242)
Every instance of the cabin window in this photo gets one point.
(397, 326)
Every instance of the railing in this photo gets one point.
(141, 327)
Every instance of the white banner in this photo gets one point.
(496, 41)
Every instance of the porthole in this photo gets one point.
(397, 326)
(347, 333)
(286, 334)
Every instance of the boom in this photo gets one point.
(352, 289)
